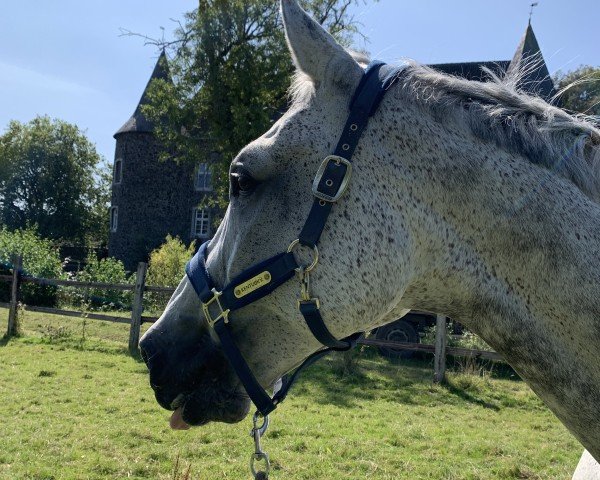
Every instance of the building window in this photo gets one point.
(203, 181)
(114, 218)
(201, 223)
(118, 171)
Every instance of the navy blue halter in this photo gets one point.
(261, 279)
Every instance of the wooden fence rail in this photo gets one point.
(71, 313)
(136, 319)
(99, 285)
(420, 347)
(53, 282)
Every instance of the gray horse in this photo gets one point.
(469, 199)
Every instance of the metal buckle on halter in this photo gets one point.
(221, 314)
(338, 161)
(314, 301)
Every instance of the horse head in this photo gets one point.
(363, 260)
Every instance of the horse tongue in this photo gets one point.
(177, 422)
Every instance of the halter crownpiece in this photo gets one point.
(330, 183)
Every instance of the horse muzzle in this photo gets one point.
(195, 377)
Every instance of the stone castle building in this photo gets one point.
(153, 198)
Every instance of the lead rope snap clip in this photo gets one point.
(259, 456)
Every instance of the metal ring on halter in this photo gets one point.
(310, 267)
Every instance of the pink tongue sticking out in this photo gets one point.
(177, 422)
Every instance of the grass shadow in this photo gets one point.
(373, 377)
(467, 396)
(497, 370)
(406, 382)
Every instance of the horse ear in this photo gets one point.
(314, 51)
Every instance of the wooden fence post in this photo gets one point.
(138, 305)
(440, 349)
(13, 312)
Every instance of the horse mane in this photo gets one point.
(498, 111)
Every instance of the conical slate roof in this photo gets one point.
(138, 122)
(537, 77)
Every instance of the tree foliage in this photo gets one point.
(51, 177)
(40, 259)
(231, 70)
(580, 90)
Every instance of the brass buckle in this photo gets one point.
(345, 181)
(222, 314)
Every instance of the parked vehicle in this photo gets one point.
(409, 329)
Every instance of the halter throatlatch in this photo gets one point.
(330, 183)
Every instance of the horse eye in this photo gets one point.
(243, 183)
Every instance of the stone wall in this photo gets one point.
(154, 199)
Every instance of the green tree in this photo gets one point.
(96, 222)
(231, 70)
(51, 177)
(40, 259)
(580, 90)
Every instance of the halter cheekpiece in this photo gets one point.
(330, 183)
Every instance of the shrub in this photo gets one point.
(167, 267)
(40, 259)
(167, 263)
(106, 270)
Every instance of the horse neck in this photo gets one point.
(509, 249)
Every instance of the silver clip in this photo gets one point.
(259, 456)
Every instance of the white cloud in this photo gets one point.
(24, 78)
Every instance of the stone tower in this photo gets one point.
(152, 198)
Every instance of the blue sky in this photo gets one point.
(65, 58)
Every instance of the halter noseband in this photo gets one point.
(261, 279)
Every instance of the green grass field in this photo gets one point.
(75, 408)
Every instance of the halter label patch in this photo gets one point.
(253, 284)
